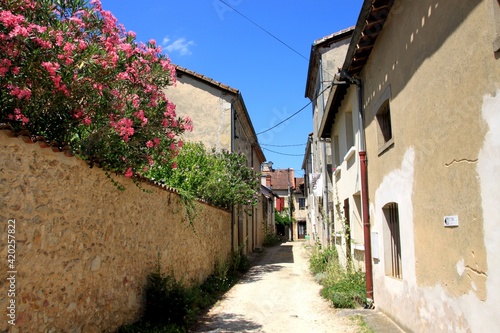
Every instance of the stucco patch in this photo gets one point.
(461, 267)
(433, 309)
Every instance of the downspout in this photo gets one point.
(253, 208)
(232, 151)
(325, 166)
(364, 191)
(313, 211)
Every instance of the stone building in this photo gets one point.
(221, 121)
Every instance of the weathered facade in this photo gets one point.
(299, 214)
(327, 54)
(282, 183)
(430, 100)
(221, 121)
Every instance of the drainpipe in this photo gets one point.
(364, 191)
(325, 165)
(232, 150)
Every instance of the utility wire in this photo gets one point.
(277, 152)
(293, 115)
(295, 145)
(267, 32)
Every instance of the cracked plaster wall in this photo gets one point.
(444, 161)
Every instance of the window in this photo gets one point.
(495, 4)
(383, 117)
(349, 130)
(392, 241)
(302, 203)
(336, 151)
(280, 204)
(384, 121)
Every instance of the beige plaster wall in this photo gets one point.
(440, 69)
(208, 107)
(347, 181)
(84, 249)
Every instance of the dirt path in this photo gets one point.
(277, 295)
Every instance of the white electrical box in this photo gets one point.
(375, 254)
(451, 221)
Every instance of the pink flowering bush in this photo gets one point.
(70, 73)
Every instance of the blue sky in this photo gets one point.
(210, 38)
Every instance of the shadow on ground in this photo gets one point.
(256, 273)
(229, 322)
(269, 262)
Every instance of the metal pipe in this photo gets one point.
(325, 166)
(233, 132)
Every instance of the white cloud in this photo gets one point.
(180, 45)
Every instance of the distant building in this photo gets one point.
(221, 121)
(290, 199)
(327, 54)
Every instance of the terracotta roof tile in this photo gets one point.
(281, 178)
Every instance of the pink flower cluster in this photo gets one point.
(88, 67)
(124, 127)
(19, 116)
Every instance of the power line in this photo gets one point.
(277, 152)
(295, 145)
(267, 32)
(293, 115)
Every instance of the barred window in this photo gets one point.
(392, 241)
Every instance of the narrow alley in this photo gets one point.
(279, 294)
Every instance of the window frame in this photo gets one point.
(303, 206)
(383, 118)
(495, 10)
(392, 241)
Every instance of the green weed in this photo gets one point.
(172, 308)
(359, 320)
(343, 287)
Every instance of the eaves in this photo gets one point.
(370, 23)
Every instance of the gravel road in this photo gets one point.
(278, 294)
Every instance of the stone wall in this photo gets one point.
(84, 248)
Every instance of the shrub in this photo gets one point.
(218, 177)
(343, 287)
(320, 259)
(271, 239)
(70, 73)
(173, 308)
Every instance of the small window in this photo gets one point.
(384, 121)
(280, 204)
(302, 203)
(336, 151)
(349, 129)
(392, 241)
(495, 4)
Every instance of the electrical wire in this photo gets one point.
(295, 145)
(267, 32)
(293, 115)
(277, 152)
